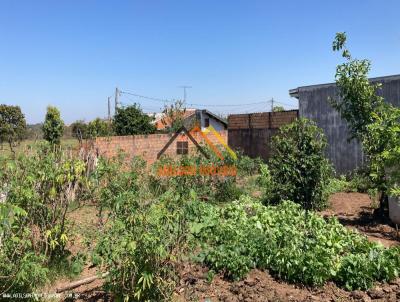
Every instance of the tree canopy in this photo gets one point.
(278, 109)
(12, 125)
(174, 116)
(53, 127)
(132, 120)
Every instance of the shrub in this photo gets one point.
(43, 184)
(248, 166)
(99, 127)
(336, 185)
(38, 188)
(214, 188)
(264, 180)
(21, 269)
(143, 242)
(298, 166)
(360, 181)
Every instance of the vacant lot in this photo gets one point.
(120, 229)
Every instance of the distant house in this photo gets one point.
(202, 117)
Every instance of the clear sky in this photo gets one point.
(72, 54)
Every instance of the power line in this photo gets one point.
(146, 108)
(206, 105)
(232, 105)
(191, 104)
(286, 104)
(145, 97)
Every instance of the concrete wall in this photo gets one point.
(314, 104)
(252, 133)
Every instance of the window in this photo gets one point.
(182, 148)
(206, 122)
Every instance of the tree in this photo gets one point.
(299, 169)
(372, 121)
(53, 127)
(79, 130)
(174, 116)
(357, 96)
(99, 127)
(278, 109)
(12, 125)
(132, 120)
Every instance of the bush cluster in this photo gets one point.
(145, 237)
(293, 244)
(209, 188)
(299, 169)
(39, 188)
(141, 247)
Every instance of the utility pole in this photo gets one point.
(271, 115)
(109, 108)
(184, 91)
(117, 92)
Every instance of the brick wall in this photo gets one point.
(252, 133)
(147, 146)
(262, 120)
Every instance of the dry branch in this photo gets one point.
(81, 282)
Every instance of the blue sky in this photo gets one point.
(72, 54)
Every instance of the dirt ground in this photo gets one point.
(354, 210)
(259, 286)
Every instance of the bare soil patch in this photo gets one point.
(260, 286)
(355, 210)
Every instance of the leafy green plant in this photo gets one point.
(141, 247)
(294, 244)
(213, 188)
(44, 184)
(360, 180)
(299, 169)
(21, 269)
(247, 165)
(383, 143)
(359, 271)
(337, 185)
